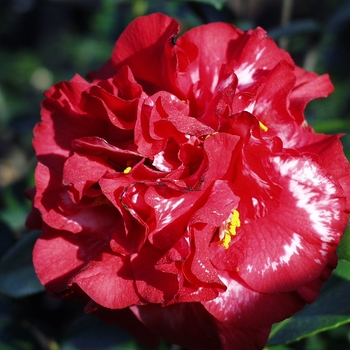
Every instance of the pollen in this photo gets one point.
(214, 133)
(230, 227)
(263, 127)
(127, 170)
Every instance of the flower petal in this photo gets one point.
(58, 256)
(291, 245)
(108, 281)
(141, 47)
(153, 285)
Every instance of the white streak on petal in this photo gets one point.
(259, 53)
(314, 194)
(246, 71)
(291, 249)
(158, 162)
(250, 108)
(245, 74)
(166, 208)
(203, 266)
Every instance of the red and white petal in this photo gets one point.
(291, 245)
(213, 51)
(255, 55)
(240, 306)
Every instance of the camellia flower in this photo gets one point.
(182, 194)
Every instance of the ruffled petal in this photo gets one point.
(58, 256)
(143, 42)
(290, 245)
(108, 281)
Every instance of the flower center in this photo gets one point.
(228, 228)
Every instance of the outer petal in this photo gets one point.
(61, 108)
(141, 47)
(291, 245)
(108, 281)
(58, 256)
(239, 306)
(309, 86)
(271, 105)
(255, 54)
(213, 52)
(93, 215)
(330, 151)
(244, 317)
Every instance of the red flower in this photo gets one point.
(182, 193)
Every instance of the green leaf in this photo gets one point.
(343, 270)
(17, 275)
(218, 4)
(330, 310)
(344, 247)
(278, 347)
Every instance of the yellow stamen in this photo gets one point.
(127, 170)
(234, 222)
(263, 127)
(231, 228)
(304, 124)
(226, 240)
(216, 132)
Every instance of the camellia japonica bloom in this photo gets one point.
(182, 194)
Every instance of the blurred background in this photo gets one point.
(46, 41)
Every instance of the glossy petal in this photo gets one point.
(182, 194)
(108, 281)
(292, 244)
(213, 51)
(153, 285)
(58, 256)
(143, 43)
